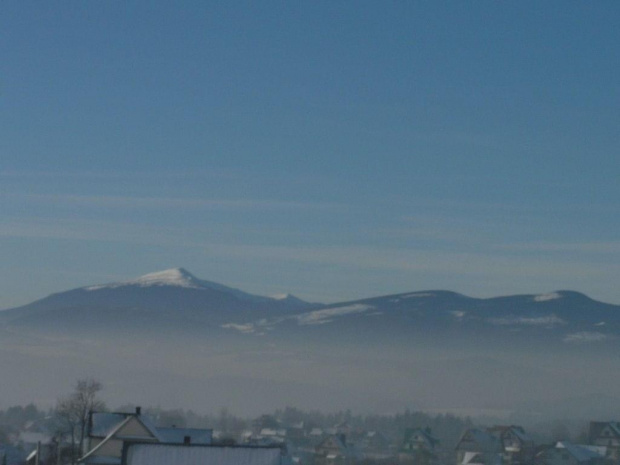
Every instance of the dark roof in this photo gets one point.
(103, 423)
(177, 435)
(410, 432)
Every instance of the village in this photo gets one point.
(137, 438)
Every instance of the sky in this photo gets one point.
(334, 150)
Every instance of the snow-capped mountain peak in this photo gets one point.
(175, 278)
(179, 277)
(172, 277)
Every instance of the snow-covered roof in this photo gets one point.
(470, 458)
(482, 438)
(272, 432)
(91, 454)
(580, 453)
(166, 454)
(478, 458)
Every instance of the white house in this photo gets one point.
(108, 432)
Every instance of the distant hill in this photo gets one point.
(565, 317)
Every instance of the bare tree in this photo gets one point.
(73, 411)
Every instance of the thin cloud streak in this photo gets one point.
(167, 202)
(580, 247)
(366, 257)
(426, 261)
(501, 271)
(110, 175)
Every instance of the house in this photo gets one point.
(419, 439)
(333, 450)
(566, 453)
(374, 444)
(517, 445)
(108, 432)
(418, 447)
(607, 434)
(343, 428)
(134, 453)
(478, 447)
(296, 431)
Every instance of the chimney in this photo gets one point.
(138, 410)
(187, 440)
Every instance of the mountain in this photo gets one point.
(563, 317)
(169, 338)
(173, 296)
(176, 299)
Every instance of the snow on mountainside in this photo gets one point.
(179, 277)
(566, 317)
(169, 297)
(172, 277)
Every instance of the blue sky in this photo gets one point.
(335, 150)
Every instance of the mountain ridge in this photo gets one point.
(176, 298)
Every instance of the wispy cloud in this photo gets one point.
(121, 175)
(404, 266)
(585, 337)
(415, 260)
(580, 247)
(109, 201)
(91, 230)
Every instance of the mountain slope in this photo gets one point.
(176, 299)
(565, 317)
(173, 295)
